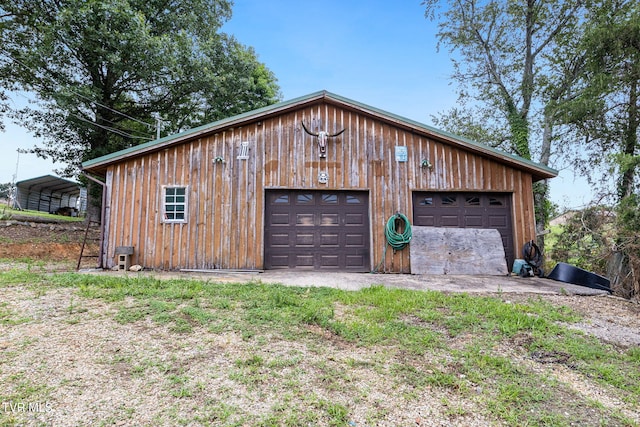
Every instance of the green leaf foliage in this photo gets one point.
(501, 52)
(100, 69)
(605, 109)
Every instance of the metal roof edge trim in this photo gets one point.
(50, 178)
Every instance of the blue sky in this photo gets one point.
(379, 53)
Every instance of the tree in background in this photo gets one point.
(604, 114)
(99, 70)
(502, 51)
(5, 190)
(3, 107)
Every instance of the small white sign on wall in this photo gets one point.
(323, 177)
(401, 153)
(244, 151)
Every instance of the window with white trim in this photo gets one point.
(175, 204)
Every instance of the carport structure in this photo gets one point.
(49, 193)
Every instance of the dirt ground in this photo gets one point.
(38, 241)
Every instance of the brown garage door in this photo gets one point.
(467, 210)
(317, 230)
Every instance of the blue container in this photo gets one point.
(517, 266)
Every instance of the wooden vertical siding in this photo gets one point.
(226, 202)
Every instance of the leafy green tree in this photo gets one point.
(605, 111)
(5, 189)
(100, 69)
(501, 52)
(605, 114)
(3, 108)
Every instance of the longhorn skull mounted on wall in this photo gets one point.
(322, 137)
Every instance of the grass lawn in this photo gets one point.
(8, 213)
(184, 352)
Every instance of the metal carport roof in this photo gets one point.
(48, 193)
(50, 183)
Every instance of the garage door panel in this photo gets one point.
(496, 201)
(354, 219)
(472, 200)
(428, 220)
(473, 210)
(279, 219)
(305, 219)
(473, 221)
(279, 261)
(329, 261)
(449, 221)
(329, 219)
(356, 261)
(357, 199)
(278, 199)
(329, 198)
(448, 201)
(329, 240)
(304, 199)
(280, 239)
(317, 229)
(303, 260)
(355, 240)
(497, 221)
(305, 239)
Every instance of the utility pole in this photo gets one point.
(13, 191)
(158, 124)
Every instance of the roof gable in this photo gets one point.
(537, 170)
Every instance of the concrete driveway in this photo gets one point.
(355, 281)
(469, 284)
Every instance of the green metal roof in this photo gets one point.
(543, 171)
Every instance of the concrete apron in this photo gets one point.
(356, 281)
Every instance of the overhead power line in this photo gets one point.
(120, 132)
(150, 126)
(114, 130)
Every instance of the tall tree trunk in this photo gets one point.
(628, 167)
(620, 266)
(519, 129)
(618, 273)
(541, 188)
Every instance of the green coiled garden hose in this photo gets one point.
(398, 241)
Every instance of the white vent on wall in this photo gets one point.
(244, 150)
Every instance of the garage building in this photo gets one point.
(306, 184)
